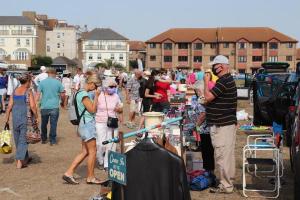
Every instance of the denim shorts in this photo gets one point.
(87, 131)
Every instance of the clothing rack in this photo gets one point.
(142, 131)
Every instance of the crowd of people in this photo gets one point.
(99, 98)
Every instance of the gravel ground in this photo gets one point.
(42, 179)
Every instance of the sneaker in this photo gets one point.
(44, 142)
(221, 190)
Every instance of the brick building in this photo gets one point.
(194, 48)
(137, 50)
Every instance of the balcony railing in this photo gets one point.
(4, 32)
(21, 32)
(116, 47)
(94, 47)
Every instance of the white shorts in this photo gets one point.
(134, 106)
(3, 91)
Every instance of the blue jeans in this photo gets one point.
(53, 114)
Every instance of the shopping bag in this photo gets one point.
(6, 140)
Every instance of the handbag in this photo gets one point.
(6, 140)
(112, 122)
(33, 134)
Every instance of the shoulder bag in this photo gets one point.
(112, 122)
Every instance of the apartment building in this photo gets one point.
(194, 48)
(103, 43)
(18, 39)
(298, 58)
(61, 40)
(137, 50)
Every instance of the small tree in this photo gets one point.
(108, 64)
(37, 61)
(133, 64)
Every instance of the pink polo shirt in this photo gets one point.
(112, 102)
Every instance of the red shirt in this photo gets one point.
(161, 88)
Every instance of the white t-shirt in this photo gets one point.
(79, 81)
(40, 77)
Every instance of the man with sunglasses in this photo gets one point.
(221, 117)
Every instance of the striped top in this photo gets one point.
(222, 110)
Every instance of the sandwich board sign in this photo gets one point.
(117, 167)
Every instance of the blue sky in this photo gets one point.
(143, 19)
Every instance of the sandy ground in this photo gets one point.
(42, 179)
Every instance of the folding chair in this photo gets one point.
(274, 160)
(265, 141)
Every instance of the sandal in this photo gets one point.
(94, 181)
(70, 180)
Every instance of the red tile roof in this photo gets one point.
(137, 46)
(224, 34)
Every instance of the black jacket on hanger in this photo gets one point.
(153, 173)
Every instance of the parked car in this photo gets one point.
(274, 94)
(295, 145)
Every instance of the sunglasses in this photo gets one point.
(112, 86)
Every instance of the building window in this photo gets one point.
(211, 58)
(273, 58)
(112, 56)
(256, 58)
(289, 45)
(2, 53)
(152, 45)
(90, 56)
(48, 39)
(226, 45)
(167, 58)
(242, 59)
(121, 57)
(58, 45)
(197, 46)
(18, 42)
(257, 45)
(63, 34)
(152, 58)
(21, 55)
(99, 56)
(183, 45)
(273, 45)
(197, 59)
(289, 58)
(28, 29)
(48, 48)
(58, 35)
(213, 45)
(182, 58)
(63, 44)
(27, 42)
(168, 46)
(242, 45)
(2, 42)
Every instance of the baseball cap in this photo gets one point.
(43, 68)
(220, 59)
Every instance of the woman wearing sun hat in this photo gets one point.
(109, 105)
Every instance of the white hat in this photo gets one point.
(107, 72)
(66, 72)
(220, 59)
(43, 68)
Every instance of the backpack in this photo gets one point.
(73, 110)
